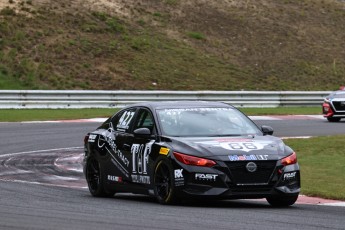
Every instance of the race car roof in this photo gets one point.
(180, 104)
(338, 94)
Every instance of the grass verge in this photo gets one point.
(322, 162)
(283, 111)
(15, 115)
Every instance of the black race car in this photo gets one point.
(180, 150)
(333, 107)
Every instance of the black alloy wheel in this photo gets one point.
(163, 183)
(333, 119)
(282, 201)
(94, 179)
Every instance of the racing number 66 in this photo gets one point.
(238, 146)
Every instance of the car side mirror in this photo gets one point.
(267, 130)
(142, 132)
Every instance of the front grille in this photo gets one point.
(240, 176)
(251, 189)
(339, 105)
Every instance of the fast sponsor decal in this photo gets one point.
(206, 177)
(164, 151)
(92, 138)
(140, 158)
(248, 157)
(289, 176)
(178, 175)
(114, 178)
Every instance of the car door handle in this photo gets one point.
(126, 147)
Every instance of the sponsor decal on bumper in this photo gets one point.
(179, 179)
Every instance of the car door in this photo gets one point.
(139, 147)
(118, 165)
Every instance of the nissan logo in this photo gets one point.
(251, 167)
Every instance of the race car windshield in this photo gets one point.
(205, 122)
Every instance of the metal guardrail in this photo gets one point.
(21, 99)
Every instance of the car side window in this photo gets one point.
(144, 120)
(123, 120)
(105, 125)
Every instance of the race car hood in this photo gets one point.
(233, 148)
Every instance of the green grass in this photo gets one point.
(196, 35)
(8, 82)
(14, 115)
(322, 162)
(283, 111)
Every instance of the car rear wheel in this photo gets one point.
(282, 201)
(164, 183)
(94, 178)
(333, 119)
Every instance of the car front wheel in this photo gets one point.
(164, 183)
(333, 119)
(282, 201)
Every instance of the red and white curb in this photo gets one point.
(319, 201)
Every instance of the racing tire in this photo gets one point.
(282, 201)
(164, 183)
(94, 178)
(333, 119)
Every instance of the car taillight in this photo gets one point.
(191, 160)
(289, 160)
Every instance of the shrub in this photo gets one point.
(196, 35)
(7, 11)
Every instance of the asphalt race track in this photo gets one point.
(42, 187)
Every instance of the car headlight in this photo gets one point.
(289, 160)
(191, 160)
